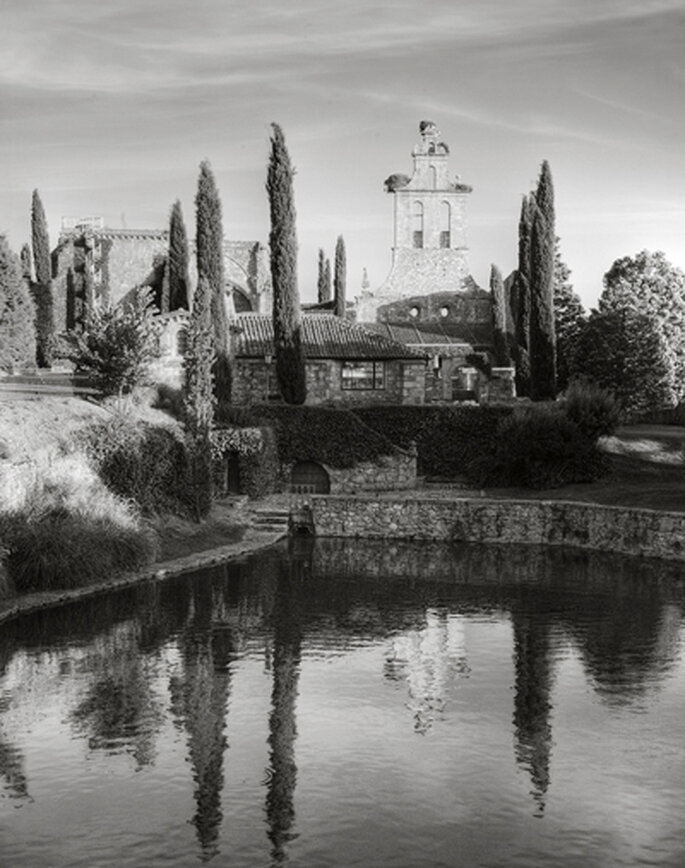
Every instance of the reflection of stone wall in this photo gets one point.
(607, 528)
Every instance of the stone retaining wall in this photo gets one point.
(386, 473)
(588, 526)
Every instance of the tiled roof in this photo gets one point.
(324, 336)
(434, 333)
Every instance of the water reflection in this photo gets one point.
(128, 665)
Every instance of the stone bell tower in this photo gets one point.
(429, 253)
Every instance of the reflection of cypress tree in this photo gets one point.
(532, 706)
(206, 686)
(287, 637)
(12, 770)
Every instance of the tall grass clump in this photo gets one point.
(60, 526)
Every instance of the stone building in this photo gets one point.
(429, 300)
(110, 263)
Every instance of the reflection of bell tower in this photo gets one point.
(532, 706)
(287, 636)
(429, 253)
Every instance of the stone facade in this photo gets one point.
(255, 382)
(393, 472)
(587, 526)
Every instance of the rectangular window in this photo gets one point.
(418, 239)
(445, 238)
(363, 375)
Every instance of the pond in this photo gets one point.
(339, 703)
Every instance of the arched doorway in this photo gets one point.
(309, 477)
(232, 465)
(241, 301)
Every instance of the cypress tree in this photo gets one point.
(340, 278)
(177, 268)
(542, 341)
(210, 265)
(327, 279)
(290, 363)
(322, 290)
(42, 290)
(26, 264)
(521, 298)
(499, 318)
(17, 334)
(198, 399)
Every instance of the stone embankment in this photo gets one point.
(630, 531)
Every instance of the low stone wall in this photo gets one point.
(588, 526)
(387, 473)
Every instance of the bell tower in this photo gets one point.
(429, 253)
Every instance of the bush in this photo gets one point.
(139, 461)
(62, 550)
(595, 410)
(538, 448)
(260, 473)
(447, 439)
(338, 438)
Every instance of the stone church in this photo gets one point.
(430, 301)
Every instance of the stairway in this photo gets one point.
(272, 520)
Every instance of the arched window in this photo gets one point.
(241, 301)
(445, 224)
(417, 224)
(415, 312)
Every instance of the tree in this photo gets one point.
(210, 265)
(198, 398)
(624, 351)
(117, 345)
(328, 283)
(290, 363)
(17, 332)
(177, 268)
(649, 284)
(520, 298)
(42, 290)
(569, 318)
(542, 341)
(499, 318)
(26, 264)
(340, 277)
(323, 286)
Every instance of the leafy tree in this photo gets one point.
(323, 286)
(17, 333)
(177, 269)
(624, 351)
(42, 290)
(199, 401)
(649, 284)
(117, 344)
(542, 347)
(340, 277)
(210, 265)
(499, 318)
(290, 363)
(569, 318)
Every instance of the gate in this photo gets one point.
(309, 477)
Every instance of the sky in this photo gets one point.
(109, 108)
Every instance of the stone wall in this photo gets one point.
(588, 526)
(386, 473)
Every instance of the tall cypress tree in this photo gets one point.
(198, 398)
(17, 334)
(210, 265)
(542, 347)
(499, 318)
(327, 279)
(42, 290)
(340, 277)
(322, 290)
(177, 262)
(520, 301)
(290, 363)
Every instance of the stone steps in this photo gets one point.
(271, 519)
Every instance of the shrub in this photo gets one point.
(447, 439)
(538, 448)
(63, 550)
(338, 438)
(260, 472)
(139, 461)
(595, 410)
